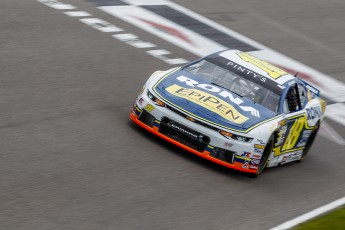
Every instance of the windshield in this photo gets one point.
(233, 82)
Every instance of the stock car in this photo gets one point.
(233, 109)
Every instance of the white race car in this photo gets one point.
(233, 109)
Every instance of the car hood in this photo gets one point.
(200, 99)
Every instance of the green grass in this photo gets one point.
(332, 221)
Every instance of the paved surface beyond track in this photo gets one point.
(71, 159)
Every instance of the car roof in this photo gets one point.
(262, 67)
(252, 69)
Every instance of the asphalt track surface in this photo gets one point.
(72, 159)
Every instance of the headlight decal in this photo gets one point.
(236, 137)
(155, 100)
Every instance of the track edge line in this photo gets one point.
(310, 215)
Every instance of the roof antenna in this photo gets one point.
(296, 74)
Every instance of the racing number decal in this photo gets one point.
(271, 70)
(294, 133)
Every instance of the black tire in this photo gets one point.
(265, 155)
(310, 141)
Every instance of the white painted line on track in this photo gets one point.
(107, 27)
(57, 5)
(134, 41)
(160, 54)
(310, 215)
(328, 132)
(78, 13)
(164, 28)
(101, 25)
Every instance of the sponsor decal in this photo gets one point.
(209, 102)
(293, 156)
(245, 165)
(296, 155)
(314, 112)
(304, 138)
(259, 151)
(261, 142)
(228, 144)
(284, 158)
(149, 108)
(281, 135)
(252, 156)
(246, 154)
(222, 93)
(253, 166)
(256, 156)
(242, 69)
(259, 146)
(186, 132)
(255, 162)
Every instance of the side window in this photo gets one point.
(292, 99)
(286, 107)
(302, 94)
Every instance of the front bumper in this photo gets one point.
(156, 123)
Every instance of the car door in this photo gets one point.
(292, 129)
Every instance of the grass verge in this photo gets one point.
(334, 220)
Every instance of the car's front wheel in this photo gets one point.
(265, 155)
(310, 141)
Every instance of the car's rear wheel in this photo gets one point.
(265, 155)
(310, 141)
